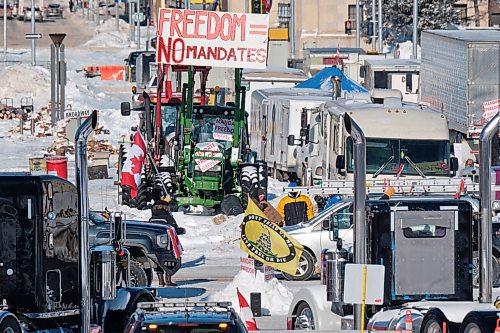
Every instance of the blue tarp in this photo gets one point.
(322, 81)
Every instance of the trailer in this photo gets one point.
(460, 78)
(400, 74)
(424, 243)
(278, 113)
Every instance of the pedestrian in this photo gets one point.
(71, 4)
(326, 202)
(295, 207)
(265, 206)
(469, 163)
(161, 211)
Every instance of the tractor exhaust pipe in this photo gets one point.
(81, 136)
(485, 237)
(359, 141)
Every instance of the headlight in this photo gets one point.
(162, 240)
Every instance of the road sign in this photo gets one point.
(139, 17)
(33, 36)
(76, 114)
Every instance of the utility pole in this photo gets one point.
(292, 28)
(5, 31)
(380, 41)
(117, 16)
(415, 20)
(33, 42)
(357, 25)
(131, 21)
(138, 24)
(374, 23)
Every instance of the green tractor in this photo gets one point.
(198, 145)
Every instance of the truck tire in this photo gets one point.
(117, 320)
(138, 277)
(231, 206)
(9, 324)
(433, 322)
(304, 319)
(479, 322)
(164, 179)
(305, 269)
(249, 181)
(142, 199)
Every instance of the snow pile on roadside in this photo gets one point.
(106, 35)
(16, 79)
(275, 296)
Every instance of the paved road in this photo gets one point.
(76, 28)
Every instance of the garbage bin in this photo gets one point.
(57, 166)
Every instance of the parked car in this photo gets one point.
(38, 14)
(315, 236)
(189, 317)
(147, 243)
(9, 12)
(54, 10)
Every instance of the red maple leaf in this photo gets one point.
(136, 164)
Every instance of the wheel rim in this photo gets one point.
(433, 327)
(307, 319)
(472, 328)
(8, 330)
(303, 266)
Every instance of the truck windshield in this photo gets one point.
(168, 119)
(213, 128)
(431, 157)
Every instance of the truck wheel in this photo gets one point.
(117, 320)
(433, 322)
(304, 319)
(10, 325)
(138, 277)
(479, 322)
(231, 206)
(305, 269)
(249, 183)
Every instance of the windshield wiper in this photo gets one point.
(382, 168)
(414, 166)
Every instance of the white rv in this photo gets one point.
(276, 114)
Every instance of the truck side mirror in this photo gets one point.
(333, 228)
(362, 71)
(125, 108)
(291, 140)
(340, 163)
(303, 120)
(453, 164)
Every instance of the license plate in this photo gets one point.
(170, 263)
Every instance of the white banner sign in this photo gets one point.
(224, 129)
(206, 38)
(247, 265)
(491, 109)
(208, 150)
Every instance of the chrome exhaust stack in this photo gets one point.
(81, 136)
(485, 229)
(359, 143)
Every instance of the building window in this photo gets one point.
(352, 15)
(462, 13)
(283, 14)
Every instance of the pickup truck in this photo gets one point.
(148, 244)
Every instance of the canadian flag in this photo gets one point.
(133, 165)
(176, 243)
(246, 312)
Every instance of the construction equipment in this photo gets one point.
(198, 151)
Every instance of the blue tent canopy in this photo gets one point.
(322, 81)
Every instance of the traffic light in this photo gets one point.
(256, 6)
(348, 27)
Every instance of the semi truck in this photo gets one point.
(403, 139)
(422, 291)
(460, 78)
(51, 278)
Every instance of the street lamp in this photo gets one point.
(57, 77)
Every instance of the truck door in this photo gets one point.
(424, 256)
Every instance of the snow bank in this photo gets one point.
(16, 79)
(106, 35)
(275, 297)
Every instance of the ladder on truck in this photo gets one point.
(456, 186)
